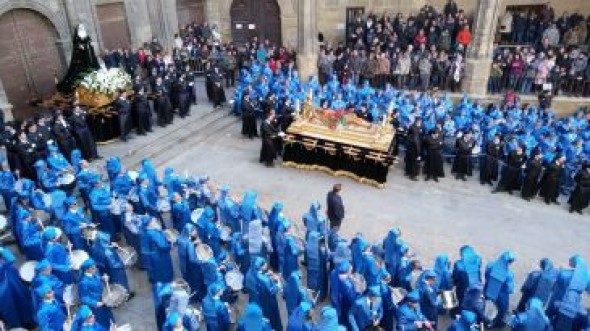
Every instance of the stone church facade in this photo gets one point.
(35, 35)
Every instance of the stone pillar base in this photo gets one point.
(477, 72)
(307, 65)
(7, 108)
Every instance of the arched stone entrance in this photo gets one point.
(260, 18)
(30, 59)
(189, 11)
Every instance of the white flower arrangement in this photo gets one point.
(106, 81)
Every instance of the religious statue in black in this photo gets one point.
(83, 60)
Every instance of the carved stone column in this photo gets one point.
(479, 53)
(307, 44)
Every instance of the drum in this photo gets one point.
(196, 214)
(194, 315)
(204, 252)
(128, 255)
(125, 327)
(181, 284)
(89, 231)
(133, 175)
(133, 195)
(71, 297)
(397, 295)
(77, 257)
(3, 224)
(67, 179)
(171, 235)
(490, 311)
(359, 283)
(449, 300)
(163, 205)
(27, 271)
(225, 233)
(115, 297)
(47, 201)
(235, 280)
(118, 206)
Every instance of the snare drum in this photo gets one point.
(194, 316)
(89, 232)
(77, 257)
(359, 282)
(128, 255)
(204, 252)
(490, 311)
(196, 214)
(235, 280)
(163, 205)
(66, 179)
(71, 297)
(27, 271)
(125, 327)
(133, 175)
(3, 224)
(115, 297)
(225, 233)
(449, 299)
(397, 295)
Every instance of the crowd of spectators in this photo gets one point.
(547, 53)
(417, 52)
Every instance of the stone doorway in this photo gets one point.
(190, 11)
(30, 60)
(261, 18)
(113, 26)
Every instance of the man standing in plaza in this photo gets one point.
(335, 207)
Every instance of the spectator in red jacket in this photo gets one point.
(464, 37)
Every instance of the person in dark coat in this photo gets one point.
(123, 108)
(414, 149)
(510, 179)
(217, 91)
(335, 207)
(269, 133)
(549, 184)
(27, 156)
(433, 166)
(462, 165)
(142, 110)
(184, 96)
(162, 103)
(83, 135)
(581, 194)
(248, 117)
(488, 171)
(533, 170)
(63, 135)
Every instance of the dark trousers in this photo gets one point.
(124, 125)
(230, 78)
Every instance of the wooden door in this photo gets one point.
(261, 18)
(190, 11)
(29, 60)
(113, 25)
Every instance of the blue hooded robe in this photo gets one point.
(16, 310)
(215, 312)
(500, 284)
(90, 290)
(253, 319)
(108, 261)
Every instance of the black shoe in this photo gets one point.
(436, 179)
(131, 296)
(413, 178)
(463, 178)
(526, 198)
(98, 157)
(495, 191)
(579, 212)
(510, 192)
(427, 178)
(556, 202)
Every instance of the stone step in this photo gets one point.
(212, 131)
(172, 141)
